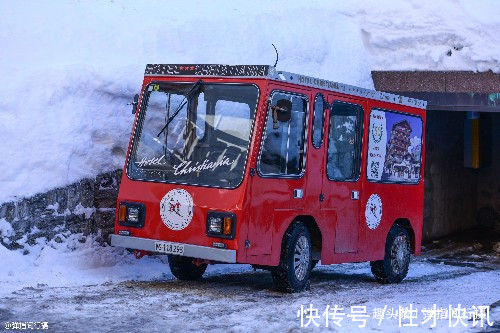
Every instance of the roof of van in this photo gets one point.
(269, 72)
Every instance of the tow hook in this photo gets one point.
(199, 262)
(138, 254)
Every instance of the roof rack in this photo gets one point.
(271, 73)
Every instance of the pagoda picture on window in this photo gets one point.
(394, 147)
(403, 150)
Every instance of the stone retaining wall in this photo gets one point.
(87, 207)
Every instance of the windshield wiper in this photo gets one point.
(195, 88)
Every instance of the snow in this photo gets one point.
(67, 69)
(78, 285)
(75, 261)
(6, 230)
(80, 210)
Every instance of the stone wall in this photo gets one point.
(87, 207)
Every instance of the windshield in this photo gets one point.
(205, 142)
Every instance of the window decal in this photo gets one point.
(394, 147)
(199, 138)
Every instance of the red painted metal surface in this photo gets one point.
(265, 207)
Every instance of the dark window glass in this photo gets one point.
(344, 142)
(318, 117)
(283, 150)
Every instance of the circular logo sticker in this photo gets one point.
(176, 209)
(373, 211)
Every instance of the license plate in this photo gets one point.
(170, 248)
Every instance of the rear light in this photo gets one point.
(131, 214)
(221, 224)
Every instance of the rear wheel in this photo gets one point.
(184, 268)
(394, 267)
(292, 273)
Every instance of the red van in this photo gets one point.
(247, 164)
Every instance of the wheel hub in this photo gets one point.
(301, 258)
(400, 254)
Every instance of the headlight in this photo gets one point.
(215, 224)
(221, 224)
(131, 214)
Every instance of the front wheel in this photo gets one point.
(292, 273)
(394, 267)
(184, 268)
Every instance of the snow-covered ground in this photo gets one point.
(68, 68)
(80, 287)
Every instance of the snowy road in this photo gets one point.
(243, 301)
(236, 298)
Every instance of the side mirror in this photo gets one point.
(282, 112)
(134, 103)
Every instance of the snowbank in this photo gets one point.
(73, 261)
(67, 69)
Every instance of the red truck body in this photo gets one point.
(359, 174)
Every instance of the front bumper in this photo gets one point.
(193, 251)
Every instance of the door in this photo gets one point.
(341, 185)
(278, 187)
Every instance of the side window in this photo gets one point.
(283, 149)
(344, 142)
(318, 118)
(394, 147)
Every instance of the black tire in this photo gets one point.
(394, 267)
(184, 268)
(292, 274)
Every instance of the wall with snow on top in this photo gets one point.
(67, 69)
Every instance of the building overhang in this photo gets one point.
(444, 90)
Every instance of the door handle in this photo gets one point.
(355, 195)
(298, 193)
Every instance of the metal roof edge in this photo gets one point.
(270, 72)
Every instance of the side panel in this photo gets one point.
(397, 201)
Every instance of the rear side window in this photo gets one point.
(318, 118)
(283, 148)
(344, 142)
(394, 147)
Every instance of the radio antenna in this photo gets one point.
(276, 55)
